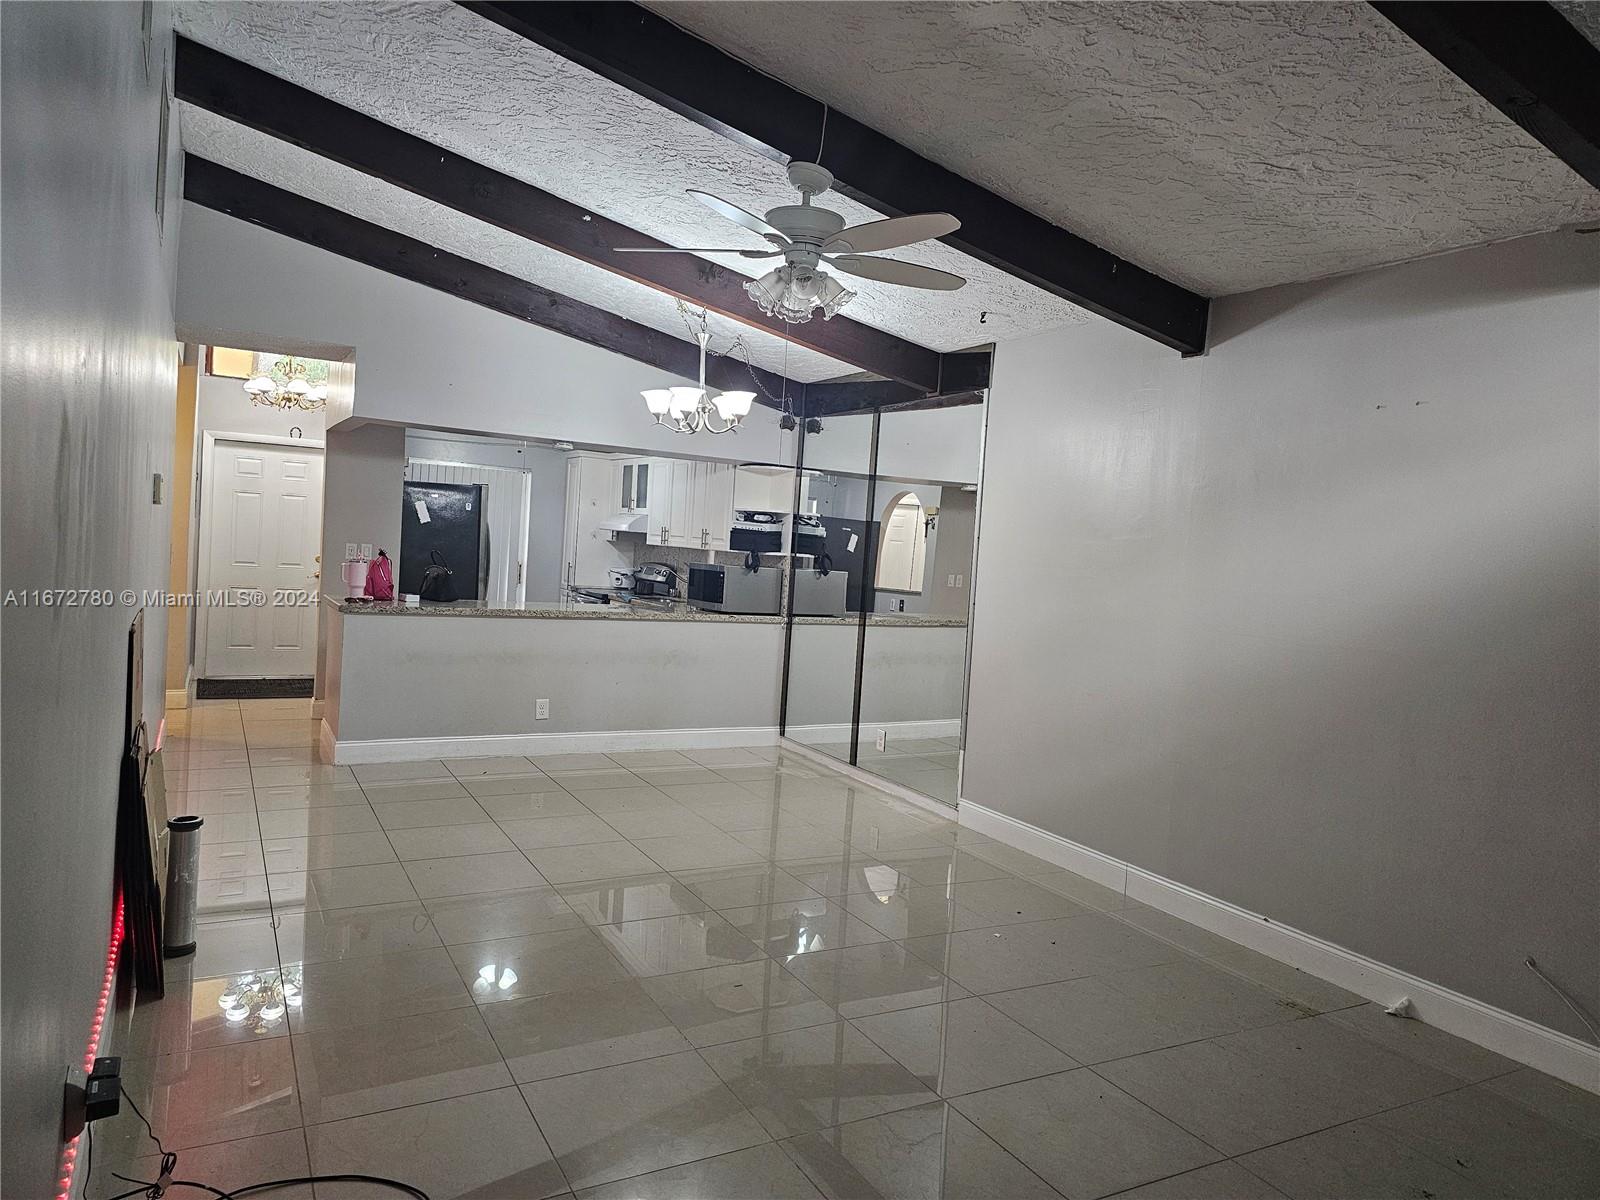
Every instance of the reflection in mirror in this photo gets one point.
(539, 523)
(913, 673)
(832, 582)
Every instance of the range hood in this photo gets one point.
(634, 522)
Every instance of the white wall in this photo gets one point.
(939, 445)
(225, 408)
(413, 676)
(427, 359)
(88, 367)
(1318, 628)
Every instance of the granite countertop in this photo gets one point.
(675, 610)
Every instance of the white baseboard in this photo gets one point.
(821, 734)
(414, 749)
(867, 779)
(1549, 1050)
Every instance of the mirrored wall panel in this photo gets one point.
(913, 673)
(887, 532)
(518, 523)
(832, 585)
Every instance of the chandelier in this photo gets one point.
(258, 1001)
(693, 409)
(791, 292)
(286, 386)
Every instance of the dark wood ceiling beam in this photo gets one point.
(316, 224)
(647, 54)
(829, 403)
(255, 98)
(237, 195)
(1527, 60)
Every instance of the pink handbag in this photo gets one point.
(380, 578)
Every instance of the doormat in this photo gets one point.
(296, 688)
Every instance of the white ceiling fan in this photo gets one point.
(808, 237)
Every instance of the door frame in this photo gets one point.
(208, 445)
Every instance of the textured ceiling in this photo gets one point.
(1226, 146)
(436, 70)
(321, 179)
(1585, 14)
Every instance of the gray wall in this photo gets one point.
(908, 673)
(958, 529)
(411, 676)
(363, 484)
(89, 373)
(1323, 623)
(428, 359)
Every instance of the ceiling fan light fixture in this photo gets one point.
(793, 293)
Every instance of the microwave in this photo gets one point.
(716, 588)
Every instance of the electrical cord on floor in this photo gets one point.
(1560, 991)
(169, 1163)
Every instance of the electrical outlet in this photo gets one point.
(541, 710)
(351, 550)
(883, 739)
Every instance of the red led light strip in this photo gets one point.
(69, 1154)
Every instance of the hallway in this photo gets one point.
(734, 973)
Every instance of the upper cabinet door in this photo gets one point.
(681, 527)
(716, 504)
(658, 525)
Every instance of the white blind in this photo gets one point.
(505, 505)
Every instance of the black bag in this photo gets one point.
(438, 580)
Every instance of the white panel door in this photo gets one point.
(262, 532)
(900, 556)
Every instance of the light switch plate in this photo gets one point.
(351, 550)
(158, 486)
(541, 710)
(883, 739)
(366, 550)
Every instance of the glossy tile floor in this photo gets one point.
(926, 765)
(733, 974)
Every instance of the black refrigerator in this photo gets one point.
(846, 548)
(448, 518)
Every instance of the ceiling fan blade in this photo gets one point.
(695, 250)
(890, 233)
(739, 216)
(887, 270)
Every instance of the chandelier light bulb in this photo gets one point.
(734, 406)
(684, 400)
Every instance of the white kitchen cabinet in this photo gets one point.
(591, 553)
(691, 504)
(714, 493)
(634, 475)
(766, 489)
(670, 504)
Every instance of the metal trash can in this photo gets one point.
(183, 885)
